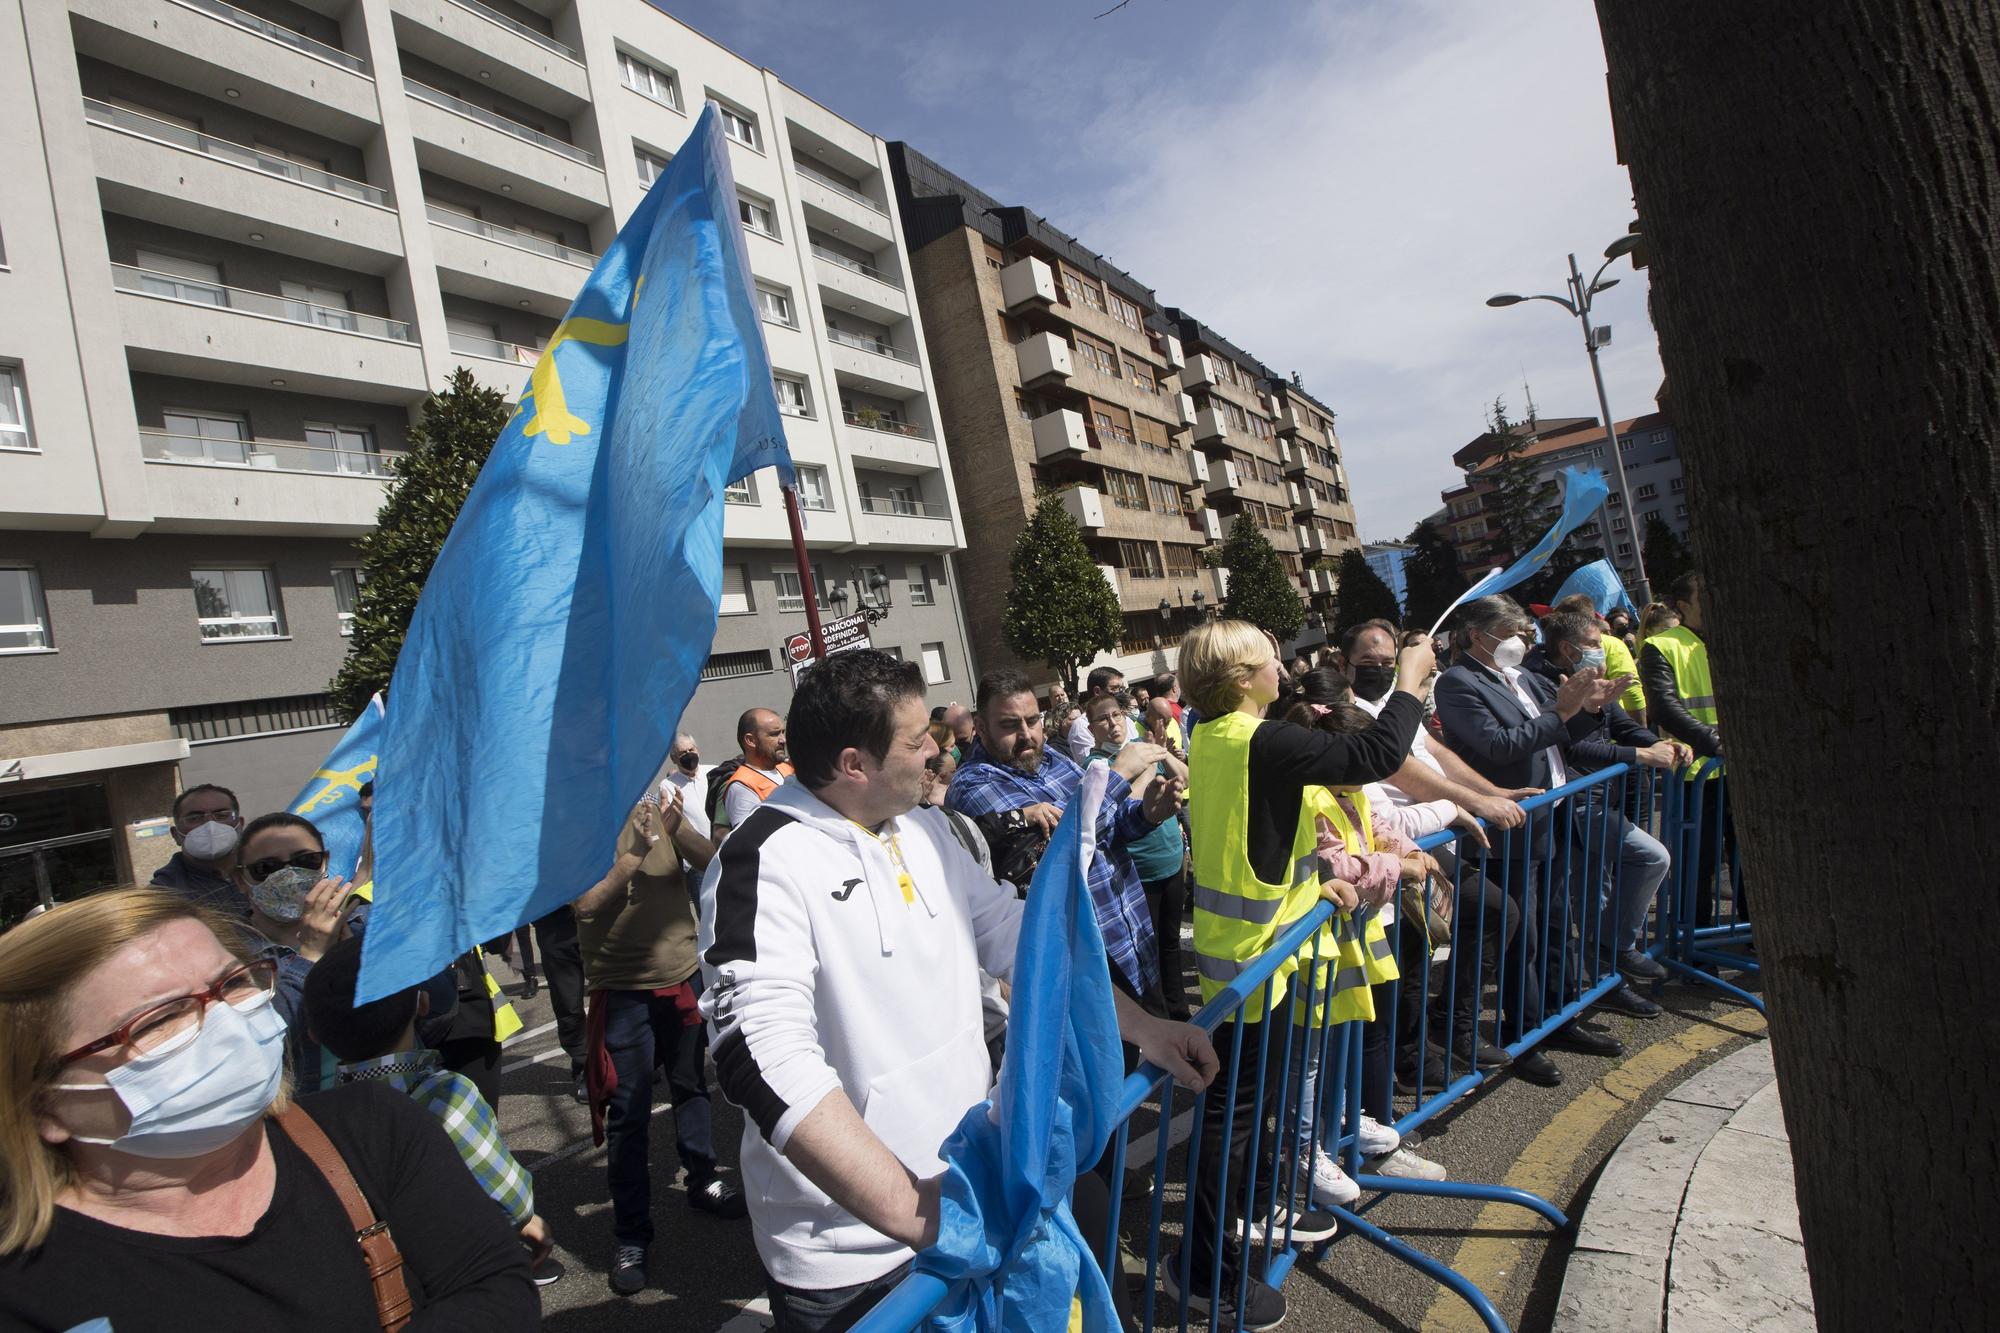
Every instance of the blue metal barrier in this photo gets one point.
(1542, 906)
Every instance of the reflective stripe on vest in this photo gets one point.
(1372, 952)
(1688, 656)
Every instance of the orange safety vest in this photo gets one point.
(754, 780)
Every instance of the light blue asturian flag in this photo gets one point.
(332, 799)
(1007, 1243)
(564, 626)
(1583, 492)
(1600, 583)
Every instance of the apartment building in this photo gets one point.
(1390, 563)
(244, 240)
(1058, 371)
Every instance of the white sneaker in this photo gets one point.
(1376, 1139)
(1305, 1227)
(1330, 1183)
(1409, 1166)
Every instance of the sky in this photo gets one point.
(1334, 185)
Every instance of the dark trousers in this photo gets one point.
(562, 967)
(1226, 1138)
(1484, 924)
(1399, 1011)
(1714, 851)
(797, 1310)
(1544, 963)
(643, 1031)
(478, 1058)
(1167, 900)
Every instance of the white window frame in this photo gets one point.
(179, 278)
(349, 462)
(742, 492)
(353, 596)
(803, 407)
(943, 670)
(748, 205)
(275, 621)
(783, 297)
(740, 126)
(792, 597)
(814, 492)
(16, 435)
(203, 419)
(740, 602)
(648, 80)
(644, 159)
(917, 580)
(324, 306)
(38, 603)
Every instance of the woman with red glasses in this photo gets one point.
(155, 1175)
(295, 916)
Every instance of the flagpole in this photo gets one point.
(805, 571)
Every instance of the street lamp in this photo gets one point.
(1577, 303)
(874, 599)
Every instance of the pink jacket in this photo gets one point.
(1374, 873)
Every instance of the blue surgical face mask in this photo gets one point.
(201, 1095)
(1592, 657)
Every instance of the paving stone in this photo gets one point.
(1743, 1180)
(1623, 1292)
(1730, 1081)
(1763, 1114)
(1723, 1279)
(1633, 1206)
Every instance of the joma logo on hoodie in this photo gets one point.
(846, 890)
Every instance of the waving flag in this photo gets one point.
(332, 800)
(1583, 492)
(568, 616)
(1599, 582)
(1006, 1241)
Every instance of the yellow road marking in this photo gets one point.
(1489, 1259)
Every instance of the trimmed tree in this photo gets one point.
(1431, 573)
(1060, 610)
(1667, 556)
(1260, 591)
(447, 447)
(1361, 594)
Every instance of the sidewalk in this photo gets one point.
(1693, 1226)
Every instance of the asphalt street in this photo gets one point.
(704, 1273)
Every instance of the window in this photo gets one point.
(936, 670)
(757, 216)
(739, 127)
(1618, 523)
(812, 488)
(1677, 485)
(750, 662)
(775, 304)
(651, 165)
(794, 395)
(790, 596)
(1167, 498)
(1657, 437)
(735, 592)
(1140, 559)
(349, 449)
(1646, 492)
(1126, 489)
(204, 437)
(1113, 423)
(1099, 356)
(1649, 516)
(921, 593)
(1181, 561)
(1082, 290)
(1142, 379)
(1626, 443)
(308, 304)
(1125, 312)
(1624, 548)
(181, 279)
(648, 80)
(346, 594)
(14, 410)
(24, 616)
(237, 604)
(1681, 510)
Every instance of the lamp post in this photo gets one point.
(1578, 305)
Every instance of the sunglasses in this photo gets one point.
(266, 866)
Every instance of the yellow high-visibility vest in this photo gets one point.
(1688, 656)
(505, 1021)
(1353, 957)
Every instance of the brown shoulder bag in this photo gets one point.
(378, 1248)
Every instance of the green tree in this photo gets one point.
(447, 447)
(1667, 556)
(1259, 589)
(1360, 593)
(1522, 504)
(1060, 610)
(1431, 573)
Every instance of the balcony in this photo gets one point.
(1306, 503)
(1199, 371)
(1198, 471)
(487, 150)
(1086, 506)
(1061, 436)
(1183, 418)
(208, 44)
(1207, 523)
(182, 178)
(525, 64)
(832, 204)
(503, 365)
(916, 523)
(875, 364)
(1319, 580)
(889, 445)
(1210, 429)
(205, 331)
(1222, 480)
(1291, 458)
(876, 295)
(281, 486)
(1290, 418)
(1027, 284)
(503, 267)
(1311, 540)
(1167, 347)
(1044, 360)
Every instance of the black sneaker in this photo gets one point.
(1623, 999)
(716, 1195)
(1432, 1070)
(578, 1088)
(1574, 1036)
(628, 1270)
(1638, 967)
(1308, 1226)
(1263, 1305)
(1536, 1068)
(550, 1271)
(1479, 1053)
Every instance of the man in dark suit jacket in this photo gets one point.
(1512, 726)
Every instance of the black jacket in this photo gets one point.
(1613, 737)
(1664, 708)
(1505, 742)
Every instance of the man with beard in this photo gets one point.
(1013, 784)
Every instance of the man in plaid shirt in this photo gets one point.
(378, 1041)
(1011, 771)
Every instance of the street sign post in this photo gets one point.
(840, 636)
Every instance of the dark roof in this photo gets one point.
(1581, 437)
(1487, 444)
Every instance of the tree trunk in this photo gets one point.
(1819, 184)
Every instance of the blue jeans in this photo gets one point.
(1636, 864)
(797, 1310)
(643, 1031)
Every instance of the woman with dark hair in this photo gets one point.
(295, 916)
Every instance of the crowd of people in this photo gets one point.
(828, 920)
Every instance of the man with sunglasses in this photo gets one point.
(206, 828)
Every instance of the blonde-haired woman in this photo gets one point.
(1255, 853)
(153, 1174)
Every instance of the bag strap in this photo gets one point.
(379, 1254)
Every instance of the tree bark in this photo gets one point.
(1819, 184)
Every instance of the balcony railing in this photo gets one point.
(879, 346)
(835, 257)
(471, 344)
(520, 240)
(147, 282)
(423, 92)
(178, 136)
(875, 504)
(263, 27)
(271, 455)
(799, 165)
(882, 423)
(515, 26)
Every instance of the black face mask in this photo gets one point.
(1372, 682)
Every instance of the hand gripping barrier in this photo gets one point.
(1539, 921)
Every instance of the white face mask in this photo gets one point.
(199, 1096)
(211, 840)
(1508, 652)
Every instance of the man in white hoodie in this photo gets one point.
(843, 930)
